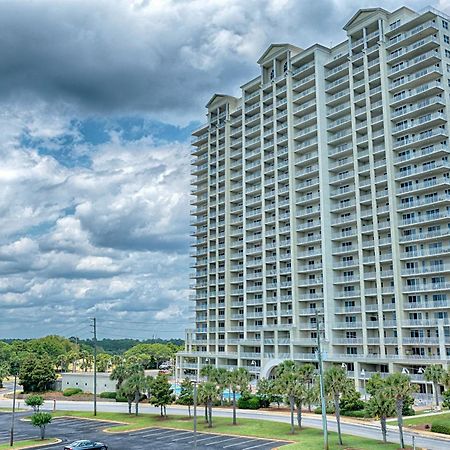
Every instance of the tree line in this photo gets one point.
(37, 361)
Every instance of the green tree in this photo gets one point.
(208, 394)
(5, 353)
(161, 393)
(186, 396)
(41, 420)
(310, 378)
(374, 384)
(120, 373)
(221, 377)
(238, 379)
(337, 385)
(435, 373)
(137, 384)
(381, 405)
(35, 401)
(287, 383)
(103, 362)
(305, 390)
(127, 391)
(37, 373)
(446, 379)
(4, 372)
(265, 391)
(399, 387)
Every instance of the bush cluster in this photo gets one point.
(72, 391)
(440, 428)
(248, 401)
(111, 395)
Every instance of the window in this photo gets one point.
(446, 39)
(445, 25)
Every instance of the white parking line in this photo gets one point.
(254, 446)
(207, 439)
(239, 443)
(167, 435)
(148, 433)
(225, 440)
(186, 436)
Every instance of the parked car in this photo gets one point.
(86, 445)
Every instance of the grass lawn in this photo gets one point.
(308, 438)
(8, 410)
(27, 444)
(437, 419)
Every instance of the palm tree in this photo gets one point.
(446, 379)
(399, 387)
(382, 405)
(238, 379)
(336, 385)
(120, 374)
(309, 377)
(208, 394)
(287, 382)
(435, 374)
(221, 376)
(305, 389)
(137, 383)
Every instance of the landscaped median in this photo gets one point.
(34, 443)
(436, 423)
(307, 438)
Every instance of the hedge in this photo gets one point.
(111, 395)
(72, 391)
(440, 428)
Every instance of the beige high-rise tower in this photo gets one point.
(325, 188)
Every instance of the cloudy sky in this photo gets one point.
(97, 102)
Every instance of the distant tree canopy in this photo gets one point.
(64, 354)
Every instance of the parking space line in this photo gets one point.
(166, 435)
(239, 443)
(207, 439)
(256, 446)
(148, 433)
(225, 440)
(186, 436)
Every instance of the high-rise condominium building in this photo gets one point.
(323, 193)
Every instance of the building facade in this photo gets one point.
(323, 194)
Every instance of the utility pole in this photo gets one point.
(322, 387)
(94, 331)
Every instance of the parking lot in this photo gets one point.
(70, 429)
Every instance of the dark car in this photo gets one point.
(86, 445)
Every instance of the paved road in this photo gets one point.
(356, 429)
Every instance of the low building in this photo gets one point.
(85, 381)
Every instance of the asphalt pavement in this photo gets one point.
(371, 431)
(71, 429)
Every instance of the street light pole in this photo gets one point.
(322, 387)
(363, 373)
(94, 331)
(195, 415)
(11, 439)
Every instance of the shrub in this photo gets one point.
(352, 402)
(72, 391)
(446, 399)
(111, 395)
(361, 413)
(264, 402)
(330, 410)
(249, 402)
(121, 398)
(440, 428)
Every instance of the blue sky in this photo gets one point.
(97, 103)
